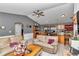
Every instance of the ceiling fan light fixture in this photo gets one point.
(38, 13)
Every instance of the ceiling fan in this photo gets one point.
(38, 13)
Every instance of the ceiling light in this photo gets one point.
(10, 31)
(2, 27)
(63, 15)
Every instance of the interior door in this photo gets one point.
(18, 28)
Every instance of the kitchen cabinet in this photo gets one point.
(61, 39)
(69, 27)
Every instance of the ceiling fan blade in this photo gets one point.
(42, 15)
(34, 12)
(41, 12)
(38, 10)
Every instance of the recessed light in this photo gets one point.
(63, 15)
(2, 27)
(10, 31)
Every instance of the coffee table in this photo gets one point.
(36, 50)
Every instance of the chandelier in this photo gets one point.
(38, 13)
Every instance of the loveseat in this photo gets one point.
(49, 43)
(5, 43)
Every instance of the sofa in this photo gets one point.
(5, 43)
(49, 43)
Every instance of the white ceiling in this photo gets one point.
(53, 15)
(52, 11)
(25, 8)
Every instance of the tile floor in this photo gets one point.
(60, 52)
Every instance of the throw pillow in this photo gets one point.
(50, 41)
(13, 41)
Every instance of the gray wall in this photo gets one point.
(8, 20)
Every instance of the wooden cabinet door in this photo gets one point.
(69, 27)
(61, 39)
